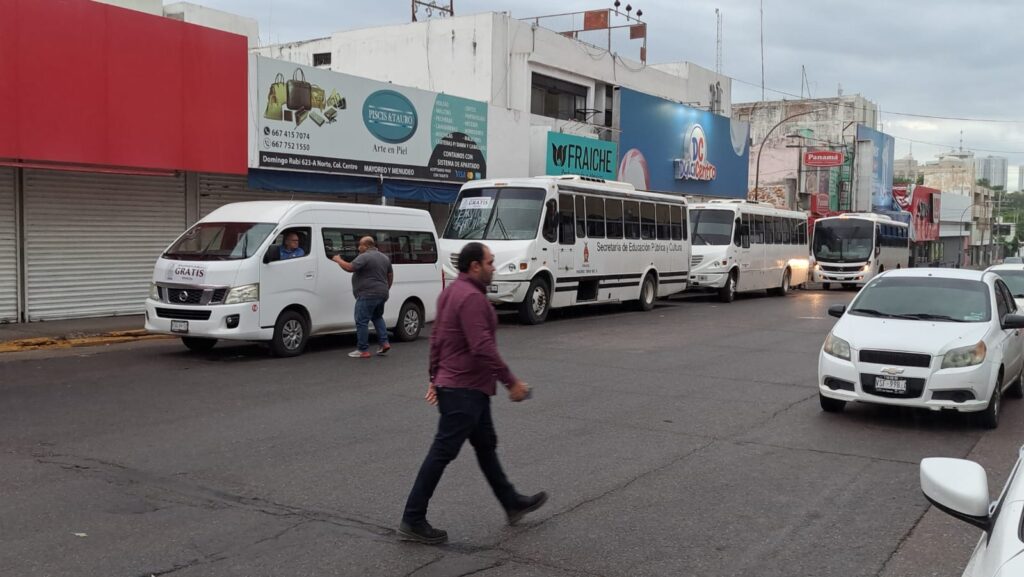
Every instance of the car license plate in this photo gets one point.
(492, 288)
(179, 326)
(886, 385)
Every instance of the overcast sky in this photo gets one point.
(943, 58)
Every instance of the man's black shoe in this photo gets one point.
(423, 533)
(526, 505)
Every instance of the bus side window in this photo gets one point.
(550, 227)
(613, 218)
(631, 210)
(581, 217)
(663, 222)
(595, 217)
(566, 225)
(647, 223)
(677, 225)
(759, 229)
(745, 231)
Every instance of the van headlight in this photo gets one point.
(243, 294)
(154, 291)
(837, 347)
(965, 356)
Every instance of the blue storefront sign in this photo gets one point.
(570, 154)
(670, 147)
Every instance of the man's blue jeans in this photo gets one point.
(367, 309)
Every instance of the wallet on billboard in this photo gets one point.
(299, 91)
(300, 116)
(331, 113)
(276, 99)
(317, 97)
(315, 116)
(287, 115)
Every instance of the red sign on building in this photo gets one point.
(923, 205)
(824, 158)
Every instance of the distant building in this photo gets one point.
(196, 14)
(993, 169)
(906, 168)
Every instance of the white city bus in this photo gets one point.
(562, 241)
(741, 246)
(850, 249)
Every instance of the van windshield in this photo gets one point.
(496, 214)
(220, 241)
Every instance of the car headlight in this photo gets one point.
(837, 347)
(243, 294)
(154, 292)
(965, 356)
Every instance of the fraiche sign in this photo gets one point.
(824, 158)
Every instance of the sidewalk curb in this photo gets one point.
(69, 341)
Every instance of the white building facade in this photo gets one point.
(994, 169)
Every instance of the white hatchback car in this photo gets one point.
(1013, 276)
(928, 338)
(960, 488)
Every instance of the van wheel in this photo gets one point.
(727, 294)
(826, 286)
(534, 308)
(410, 322)
(648, 293)
(990, 416)
(830, 405)
(783, 289)
(197, 344)
(290, 335)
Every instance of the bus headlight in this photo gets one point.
(837, 347)
(154, 292)
(243, 294)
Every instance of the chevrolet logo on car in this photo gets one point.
(892, 371)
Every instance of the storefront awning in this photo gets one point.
(421, 191)
(289, 181)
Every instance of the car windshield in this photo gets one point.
(220, 241)
(843, 240)
(711, 227)
(1014, 281)
(496, 214)
(924, 298)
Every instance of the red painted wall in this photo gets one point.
(88, 83)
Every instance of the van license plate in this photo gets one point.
(896, 386)
(492, 288)
(179, 326)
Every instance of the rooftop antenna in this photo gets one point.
(718, 43)
(431, 6)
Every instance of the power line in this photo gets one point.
(952, 147)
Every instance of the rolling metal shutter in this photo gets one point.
(91, 240)
(8, 248)
(216, 190)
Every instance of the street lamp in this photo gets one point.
(757, 171)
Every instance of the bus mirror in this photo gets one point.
(878, 251)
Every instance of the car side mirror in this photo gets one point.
(836, 310)
(1013, 322)
(957, 487)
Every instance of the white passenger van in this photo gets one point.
(224, 278)
(562, 241)
(850, 249)
(740, 246)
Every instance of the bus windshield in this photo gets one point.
(220, 241)
(711, 227)
(843, 240)
(496, 214)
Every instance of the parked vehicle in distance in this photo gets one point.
(1013, 276)
(741, 246)
(929, 338)
(561, 241)
(960, 488)
(850, 249)
(224, 278)
(1013, 260)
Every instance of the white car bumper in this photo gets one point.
(853, 381)
(713, 280)
(214, 327)
(819, 276)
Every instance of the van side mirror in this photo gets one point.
(836, 311)
(1011, 322)
(957, 487)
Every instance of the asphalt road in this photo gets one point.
(684, 441)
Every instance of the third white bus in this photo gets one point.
(562, 241)
(740, 246)
(850, 249)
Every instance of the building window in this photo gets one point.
(558, 99)
(322, 59)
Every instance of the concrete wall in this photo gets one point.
(154, 7)
(196, 14)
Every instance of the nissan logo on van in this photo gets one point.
(390, 116)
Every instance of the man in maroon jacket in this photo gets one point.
(464, 364)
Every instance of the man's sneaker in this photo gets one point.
(383, 350)
(526, 505)
(422, 533)
(359, 354)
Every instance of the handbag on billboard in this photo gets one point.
(299, 91)
(317, 97)
(276, 99)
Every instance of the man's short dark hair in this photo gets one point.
(471, 253)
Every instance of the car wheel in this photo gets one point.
(290, 335)
(1016, 390)
(410, 322)
(830, 405)
(197, 344)
(990, 416)
(534, 308)
(826, 286)
(648, 293)
(727, 294)
(783, 289)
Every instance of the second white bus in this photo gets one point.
(741, 246)
(562, 241)
(850, 249)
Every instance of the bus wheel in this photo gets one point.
(826, 286)
(410, 322)
(198, 345)
(727, 294)
(783, 289)
(534, 308)
(290, 335)
(648, 293)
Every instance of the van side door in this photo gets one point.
(288, 278)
